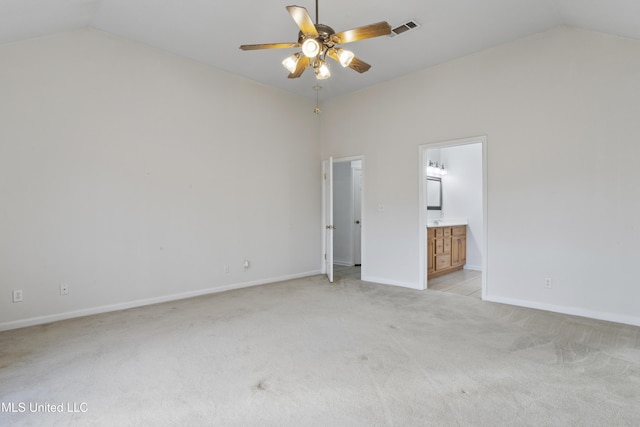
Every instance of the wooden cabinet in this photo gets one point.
(431, 233)
(446, 249)
(458, 246)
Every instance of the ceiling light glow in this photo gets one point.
(345, 56)
(322, 72)
(291, 62)
(311, 48)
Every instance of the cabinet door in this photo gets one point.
(463, 250)
(455, 252)
(431, 233)
(459, 251)
(430, 266)
(447, 245)
(439, 246)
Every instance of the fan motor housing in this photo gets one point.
(324, 34)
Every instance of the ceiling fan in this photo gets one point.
(320, 41)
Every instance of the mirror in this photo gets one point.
(434, 194)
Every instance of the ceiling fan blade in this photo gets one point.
(300, 67)
(304, 21)
(359, 65)
(333, 54)
(355, 64)
(268, 46)
(361, 33)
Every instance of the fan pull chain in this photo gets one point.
(317, 89)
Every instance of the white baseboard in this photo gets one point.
(343, 263)
(473, 267)
(574, 311)
(390, 282)
(41, 320)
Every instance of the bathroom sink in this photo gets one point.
(447, 222)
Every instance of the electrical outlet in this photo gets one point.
(246, 265)
(547, 283)
(226, 269)
(17, 295)
(64, 289)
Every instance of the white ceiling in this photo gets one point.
(211, 31)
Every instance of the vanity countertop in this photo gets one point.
(446, 222)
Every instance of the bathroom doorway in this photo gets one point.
(453, 204)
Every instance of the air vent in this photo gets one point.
(406, 27)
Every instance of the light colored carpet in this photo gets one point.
(305, 352)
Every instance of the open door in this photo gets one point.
(327, 170)
(357, 215)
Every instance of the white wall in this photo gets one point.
(134, 176)
(560, 113)
(462, 194)
(342, 213)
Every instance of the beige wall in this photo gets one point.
(560, 112)
(134, 176)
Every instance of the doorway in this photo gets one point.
(347, 226)
(460, 168)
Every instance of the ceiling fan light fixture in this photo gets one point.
(319, 41)
(291, 62)
(322, 72)
(345, 56)
(311, 48)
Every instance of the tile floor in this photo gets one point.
(463, 282)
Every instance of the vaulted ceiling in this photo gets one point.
(211, 31)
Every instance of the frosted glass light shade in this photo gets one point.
(310, 48)
(291, 62)
(323, 72)
(345, 56)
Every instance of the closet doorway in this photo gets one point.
(347, 217)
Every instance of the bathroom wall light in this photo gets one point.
(436, 169)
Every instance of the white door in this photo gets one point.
(327, 169)
(357, 216)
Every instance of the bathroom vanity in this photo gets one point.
(446, 248)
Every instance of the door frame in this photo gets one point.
(327, 218)
(422, 233)
(323, 269)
